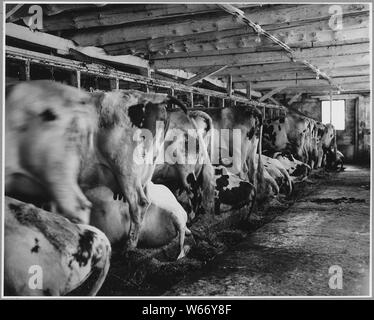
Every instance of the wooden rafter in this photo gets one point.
(206, 73)
(257, 28)
(271, 93)
(295, 98)
(13, 11)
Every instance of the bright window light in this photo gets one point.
(338, 113)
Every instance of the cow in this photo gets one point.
(232, 192)
(164, 219)
(298, 171)
(327, 141)
(334, 160)
(47, 255)
(278, 172)
(287, 133)
(49, 127)
(132, 128)
(190, 178)
(60, 140)
(237, 152)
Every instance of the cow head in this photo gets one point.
(328, 136)
(275, 135)
(187, 165)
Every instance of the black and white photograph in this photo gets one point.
(181, 150)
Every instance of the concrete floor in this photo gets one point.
(292, 254)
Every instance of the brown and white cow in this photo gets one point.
(47, 255)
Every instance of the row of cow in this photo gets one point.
(75, 189)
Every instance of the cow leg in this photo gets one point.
(138, 204)
(183, 250)
(62, 182)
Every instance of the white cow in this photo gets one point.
(164, 219)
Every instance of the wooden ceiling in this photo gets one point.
(197, 37)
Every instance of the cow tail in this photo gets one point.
(260, 166)
(253, 203)
(335, 147)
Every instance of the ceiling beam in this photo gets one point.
(206, 73)
(129, 14)
(238, 59)
(43, 39)
(263, 85)
(327, 63)
(271, 93)
(298, 73)
(201, 24)
(337, 97)
(296, 35)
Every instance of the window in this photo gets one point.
(337, 112)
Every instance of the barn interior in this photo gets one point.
(312, 58)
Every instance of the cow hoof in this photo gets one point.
(184, 252)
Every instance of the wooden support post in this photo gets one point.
(208, 98)
(78, 79)
(27, 69)
(223, 102)
(263, 113)
(357, 126)
(229, 85)
(192, 100)
(249, 90)
(330, 107)
(117, 84)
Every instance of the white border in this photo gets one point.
(181, 297)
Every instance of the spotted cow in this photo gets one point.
(47, 255)
(287, 133)
(232, 192)
(297, 170)
(189, 177)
